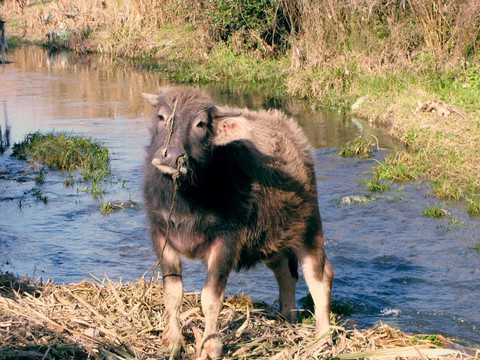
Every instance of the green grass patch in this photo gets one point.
(473, 208)
(109, 207)
(393, 168)
(359, 146)
(40, 178)
(434, 339)
(39, 195)
(376, 185)
(477, 245)
(446, 189)
(69, 180)
(13, 42)
(63, 152)
(223, 65)
(435, 211)
(454, 224)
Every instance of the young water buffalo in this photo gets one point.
(243, 189)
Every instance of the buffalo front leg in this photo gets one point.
(173, 297)
(285, 271)
(318, 274)
(213, 293)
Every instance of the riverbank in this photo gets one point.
(423, 89)
(102, 319)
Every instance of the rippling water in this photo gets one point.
(392, 264)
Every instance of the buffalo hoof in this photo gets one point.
(173, 342)
(211, 349)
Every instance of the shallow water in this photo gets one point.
(392, 264)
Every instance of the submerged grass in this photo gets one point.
(357, 147)
(473, 208)
(376, 185)
(109, 207)
(102, 319)
(60, 151)
(436, 211)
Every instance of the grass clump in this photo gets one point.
(477, 245)
(39, 195)
(109, 207)
(376, 185)
(60, 151)
(436, 211)
(357, 147)
(473, 208)
(446, 189)
(435, 339)
(395, 168)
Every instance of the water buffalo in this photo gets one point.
(231, 187)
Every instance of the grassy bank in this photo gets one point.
(70, 154)
(106, 320)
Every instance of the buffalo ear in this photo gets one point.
(229, 129)
(151, 98)
(218, 112)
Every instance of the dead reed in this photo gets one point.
(102, 319)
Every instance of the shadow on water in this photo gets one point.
(392, 264)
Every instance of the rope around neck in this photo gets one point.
(174, 198)
(175, 178)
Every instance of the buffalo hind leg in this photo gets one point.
(318, 274)
(285, 271)
(173, 297)
(213, 293)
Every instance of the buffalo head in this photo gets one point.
(187, 127)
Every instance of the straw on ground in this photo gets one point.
(102, 319)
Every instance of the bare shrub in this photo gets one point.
(382, 34)
(449, 28)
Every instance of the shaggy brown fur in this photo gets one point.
(246, 192)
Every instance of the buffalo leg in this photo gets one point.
(173, 297)
(318, 274)
(213, 293)
(285, 271)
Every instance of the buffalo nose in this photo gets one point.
(168, 155)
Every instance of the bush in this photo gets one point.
(249, 25)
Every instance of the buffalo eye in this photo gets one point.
(201, 121)
(160, 117)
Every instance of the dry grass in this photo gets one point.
(106, 320)
(319, 33)
(127, 28)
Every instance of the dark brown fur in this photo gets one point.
(246, 193)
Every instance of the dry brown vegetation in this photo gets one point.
(378, 34)
(106, 320)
